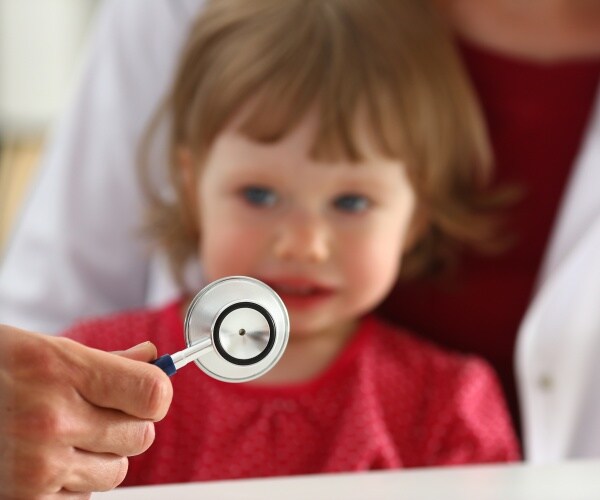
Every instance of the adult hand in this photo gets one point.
(71, 415)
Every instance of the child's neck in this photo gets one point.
(307, 356)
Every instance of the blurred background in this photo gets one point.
(41, 44)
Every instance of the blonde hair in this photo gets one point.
(392, 58)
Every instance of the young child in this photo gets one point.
(314, 146)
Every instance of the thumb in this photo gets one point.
(146, 351)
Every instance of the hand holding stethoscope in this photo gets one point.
(235, 329)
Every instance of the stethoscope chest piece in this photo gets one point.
(246, 324)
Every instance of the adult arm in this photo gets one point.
(76, 250)
(71, 415)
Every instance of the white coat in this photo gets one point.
(77, 230)
(75, 252)
(558, 344)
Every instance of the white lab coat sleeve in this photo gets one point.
(558, 345)
(76, 249)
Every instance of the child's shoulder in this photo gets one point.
(401, 350)
(125, 329)
(450, 403)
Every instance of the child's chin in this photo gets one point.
(303, 327)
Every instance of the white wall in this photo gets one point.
(40, 43)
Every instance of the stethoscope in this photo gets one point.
(235, 329)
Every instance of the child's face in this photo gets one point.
(327, 237)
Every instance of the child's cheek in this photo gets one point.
(229, 250)
(374, 267)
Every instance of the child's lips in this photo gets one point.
(301, 294)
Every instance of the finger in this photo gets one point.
(111, 431)
(95, 472)
(84, 426)
(69, 495)
(146, 351)
(61, 495)
(73, 422)
(59, 472)
(44, 466)
(111, 381)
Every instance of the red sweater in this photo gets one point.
(536, 116)
(389, 400)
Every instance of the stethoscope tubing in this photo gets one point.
(170, 363)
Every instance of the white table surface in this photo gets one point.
(578, 480)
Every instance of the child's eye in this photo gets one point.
(352, 203)
(259, 196)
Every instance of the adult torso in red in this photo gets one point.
(536, 115)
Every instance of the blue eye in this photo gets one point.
(259, 196)
(352, 203)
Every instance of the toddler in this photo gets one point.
(319, 146)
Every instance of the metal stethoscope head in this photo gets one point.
(236, 329)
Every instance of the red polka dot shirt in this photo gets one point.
(390, 400)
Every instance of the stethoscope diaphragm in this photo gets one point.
(236, 329)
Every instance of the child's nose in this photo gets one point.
(303, 238)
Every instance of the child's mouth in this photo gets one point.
(301, 295)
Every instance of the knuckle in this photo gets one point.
(46, 368)
(121, 467)
(36, 358)
(14, 480)
(138, 438)
(42, 424)
(148, 436)
(45, 474)
(16, 354)
(29, 475)
(47, 423)
(159, 393)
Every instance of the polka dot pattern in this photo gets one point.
(390, 400)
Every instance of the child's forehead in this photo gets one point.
(263, 122)
(235, 154)
(236, 158)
